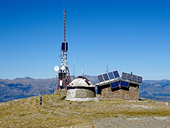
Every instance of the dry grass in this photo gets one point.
(54, 113)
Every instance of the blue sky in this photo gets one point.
(126, 35)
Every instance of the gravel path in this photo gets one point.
(143, 122)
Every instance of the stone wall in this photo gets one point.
(132, 93)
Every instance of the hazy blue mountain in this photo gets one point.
(155, 88)
(27, 87)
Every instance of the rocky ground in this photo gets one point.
(137, 122)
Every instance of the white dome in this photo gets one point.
(81, 82)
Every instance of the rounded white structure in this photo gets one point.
(81, 89)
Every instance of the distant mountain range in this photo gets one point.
(27, 87)
(158, 89)
(24, 87)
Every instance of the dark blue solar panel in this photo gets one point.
(139, 79)
(135, 78)
(124, 84)
(116, 74)
(130, 77)
(125, 75)
(114, 84)
(111, 76)
(105, 76)
(100, 78)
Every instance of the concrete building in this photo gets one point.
(81, 89)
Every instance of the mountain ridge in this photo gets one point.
(27, 87)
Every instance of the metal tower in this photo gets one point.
(64, 74)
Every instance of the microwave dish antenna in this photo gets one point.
(56, 68)
(63, 68)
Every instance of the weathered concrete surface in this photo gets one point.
(83, 99)
(81, 95)
(80, 82)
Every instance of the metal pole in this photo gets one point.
(40, 98)
(59, 94)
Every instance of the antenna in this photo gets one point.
(64, 23)
(83, 70)
(63, 71)
(107, 69)
(56, 68)
(74, 70)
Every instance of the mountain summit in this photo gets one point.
(25, 78)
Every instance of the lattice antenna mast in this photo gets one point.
(64, 15)
(64, 46)
(64, 74)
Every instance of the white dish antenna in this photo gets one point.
(56, 68)
(63, 68)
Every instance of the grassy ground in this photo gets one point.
(54, 113)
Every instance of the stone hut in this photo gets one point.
(119, 93)
(112, 86)
(81, 89)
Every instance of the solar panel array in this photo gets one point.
(131, 77)
(122, 83)
(108, 76)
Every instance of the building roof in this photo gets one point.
(81, 82)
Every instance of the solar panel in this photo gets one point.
(116, 74)
(131, 77)
(105, 76)
(114, 84)
(135, 78)
(124, 84)
(100, 78)
(111, 76)
(125, 75)
(139, 79)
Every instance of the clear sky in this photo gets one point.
(126, 35)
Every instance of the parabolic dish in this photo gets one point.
(63, 68)
(56, 68)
